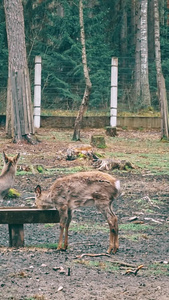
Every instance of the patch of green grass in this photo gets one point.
(134, 232)
(146, 155)
(129, 227)
(88, 227)
(99, 155)
(40, 169)
(55, 136)
(45, 246)
(149, 211)
(13, 193)
(36, 297)
(49, 225)
(72, 113)
(80, 227)
(71, 170)
(158, 269)
(144, 204)
(22, 173)
(106, 266)
(60, 171)
(134, 227)
(132, 237)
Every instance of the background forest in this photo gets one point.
(112, 28)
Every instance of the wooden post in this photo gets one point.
(16, 235)
(113, 99)
(37, 92)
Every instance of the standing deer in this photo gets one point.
(8, 173)
(82, 189)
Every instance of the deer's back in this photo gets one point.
(83, 188)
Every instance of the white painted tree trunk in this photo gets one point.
(113, 94)
(37, 92)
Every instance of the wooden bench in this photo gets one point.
(16, 217)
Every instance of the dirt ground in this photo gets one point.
(38, 271)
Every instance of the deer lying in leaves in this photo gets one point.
(82, 189)
(8, 173)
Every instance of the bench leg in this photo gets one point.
(16, 235)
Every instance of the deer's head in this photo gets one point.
(42, 199)
(10, 163)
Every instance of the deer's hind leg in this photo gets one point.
(114, 241)
(63, 214)
(67, 228)
(113, 225)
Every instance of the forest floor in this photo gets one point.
(38, 271)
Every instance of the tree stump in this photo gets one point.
(98, 141)
(111, 131)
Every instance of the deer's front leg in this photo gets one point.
(63, 213)
(60, 237)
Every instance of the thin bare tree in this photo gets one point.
(84, 104)
(19, 123)
(162, 95)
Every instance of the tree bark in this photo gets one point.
(19, 109)
(123, 34)
(151, 52)
(145, 90)
(83, 106)
(137, 74)
(162, 95)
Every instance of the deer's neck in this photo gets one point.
(7, 172)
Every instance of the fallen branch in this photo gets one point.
(151, 202)
(121, 263)
(93, 255)
(134, 271)
(153, 220)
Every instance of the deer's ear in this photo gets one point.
(5, 157)
(16, 158)
(38, 191)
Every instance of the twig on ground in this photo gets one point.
(134, 271)
(81, 243)
(151, 202)
(153, 220)
(121, 263)
(93, 255)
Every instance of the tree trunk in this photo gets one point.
(19, 123)
(151, 53)
(133, 22)
(162, 95)
(123, 35)
(137, 74)
(83, 106)
(145, 91)
(124, 41)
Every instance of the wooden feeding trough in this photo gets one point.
(16, 217)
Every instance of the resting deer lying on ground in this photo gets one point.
(82, 189)
(8, 173)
